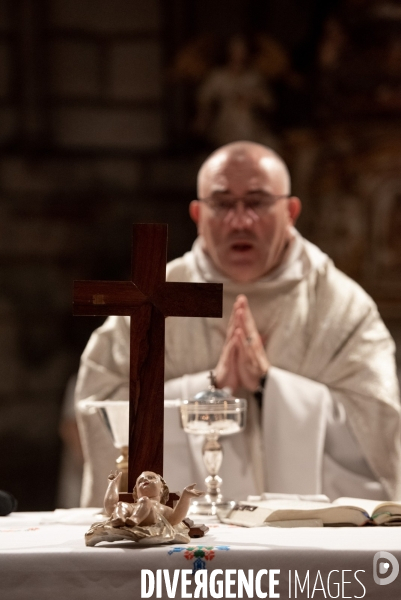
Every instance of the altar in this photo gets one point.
(43, 555)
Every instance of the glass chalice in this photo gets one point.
(213, 413)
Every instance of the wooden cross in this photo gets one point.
(148, 299)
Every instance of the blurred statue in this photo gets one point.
(359, 58)
(147, 519)
(233, 101)
(231, 98)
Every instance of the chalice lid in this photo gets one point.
(212, 395)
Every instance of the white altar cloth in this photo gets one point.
(43, 556)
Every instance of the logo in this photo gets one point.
(382, 561)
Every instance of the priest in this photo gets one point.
(299, 340)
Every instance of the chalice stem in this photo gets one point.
(212, 452)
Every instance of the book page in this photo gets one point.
(373, 507)
(362, 503)
(289, 504)
(297, 497)
(256, 514)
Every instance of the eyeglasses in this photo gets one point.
(258, 203)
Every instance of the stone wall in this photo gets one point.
(65, 218)
(82, 157)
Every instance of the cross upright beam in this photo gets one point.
(147, 299)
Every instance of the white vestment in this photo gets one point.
(330, 418)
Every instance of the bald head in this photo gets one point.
(249, 238)
(235, 157)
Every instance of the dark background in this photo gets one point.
(96, 132)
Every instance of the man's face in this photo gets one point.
(245, 244)
(148, 484)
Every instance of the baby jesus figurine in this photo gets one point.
(147, 519)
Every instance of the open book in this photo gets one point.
(289, 512)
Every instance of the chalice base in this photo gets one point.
(210, 505)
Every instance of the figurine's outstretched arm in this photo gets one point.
(181, 508)
(111, 496)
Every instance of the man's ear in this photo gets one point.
(294, 208)
(194, 211)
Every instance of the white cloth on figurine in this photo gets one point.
(160, 532)
(332, 393)
(232, 100)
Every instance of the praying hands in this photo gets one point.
(243, 360)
